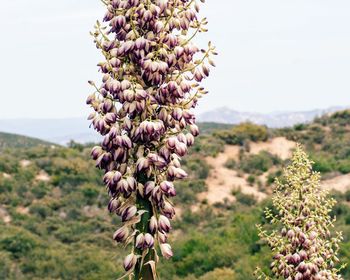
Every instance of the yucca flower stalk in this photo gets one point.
(302, 244)
(143, 109)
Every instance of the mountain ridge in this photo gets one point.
(277, 119)
(10, 140)
(61, 131)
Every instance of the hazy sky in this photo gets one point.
(274, 55)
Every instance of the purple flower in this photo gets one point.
(143, 108)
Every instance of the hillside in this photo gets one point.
(55, 225)
(8, 140)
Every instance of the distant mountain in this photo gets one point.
(8, 140)
(61, 131)
(274, 119)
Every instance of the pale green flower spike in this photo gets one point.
(303, 246)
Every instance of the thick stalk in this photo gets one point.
(143, 271)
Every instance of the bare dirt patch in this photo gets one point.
(6, 176)
(222, 181)
(25, 163)
(339, 183)
(279, 146)
(22, 210)
(5, 216)
(42, 176)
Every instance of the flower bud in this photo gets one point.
(153, 225)
(128, 213)
(140, 240)
(181, 149)
(113, 205)
(168, 210)
(166, 250)
(164, 224)
(149, 187)
(129, 262)
(194, 130)
(163, 237)
(142, 164)
(121, 234)
(149, 240)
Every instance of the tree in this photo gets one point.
(301, 242)
(151, 81)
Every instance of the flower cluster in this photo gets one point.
(303, 246)
(144, 110)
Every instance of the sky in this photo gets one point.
(274, 55)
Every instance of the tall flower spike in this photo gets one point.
(302, 244)
(143, 109)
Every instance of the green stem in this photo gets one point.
(142, 271)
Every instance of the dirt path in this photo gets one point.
(222, 181)
(339, 183)
(279, 146)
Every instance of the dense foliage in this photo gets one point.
(327, 140)
(240, 134)
(54, 223)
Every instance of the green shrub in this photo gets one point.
(347, 196)
(187, 191)
(231, 164)
(241, 133)
(6, 185)
(40, 190)
(344, 166)
(300, 126)
(245, 199)
(208, 145)
(323, 164)
(251, 179)
(197, 167)
(91, 193)
(256, 164)
(40, 210)
(8, 268)
(19, 245)
(347, 219)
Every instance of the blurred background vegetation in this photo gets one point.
(54, 223)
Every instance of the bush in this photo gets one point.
(245, 199)
(18, 245)
(187, 191)
(344, 166)
(251, 179)
(347, 220)
(231, 163)
(271, 177)
(323, 164)
(256, 164)
(207, 145)
(241, 133)
(90, 193)
(347, 196)
(40, 210)
(197, 167)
